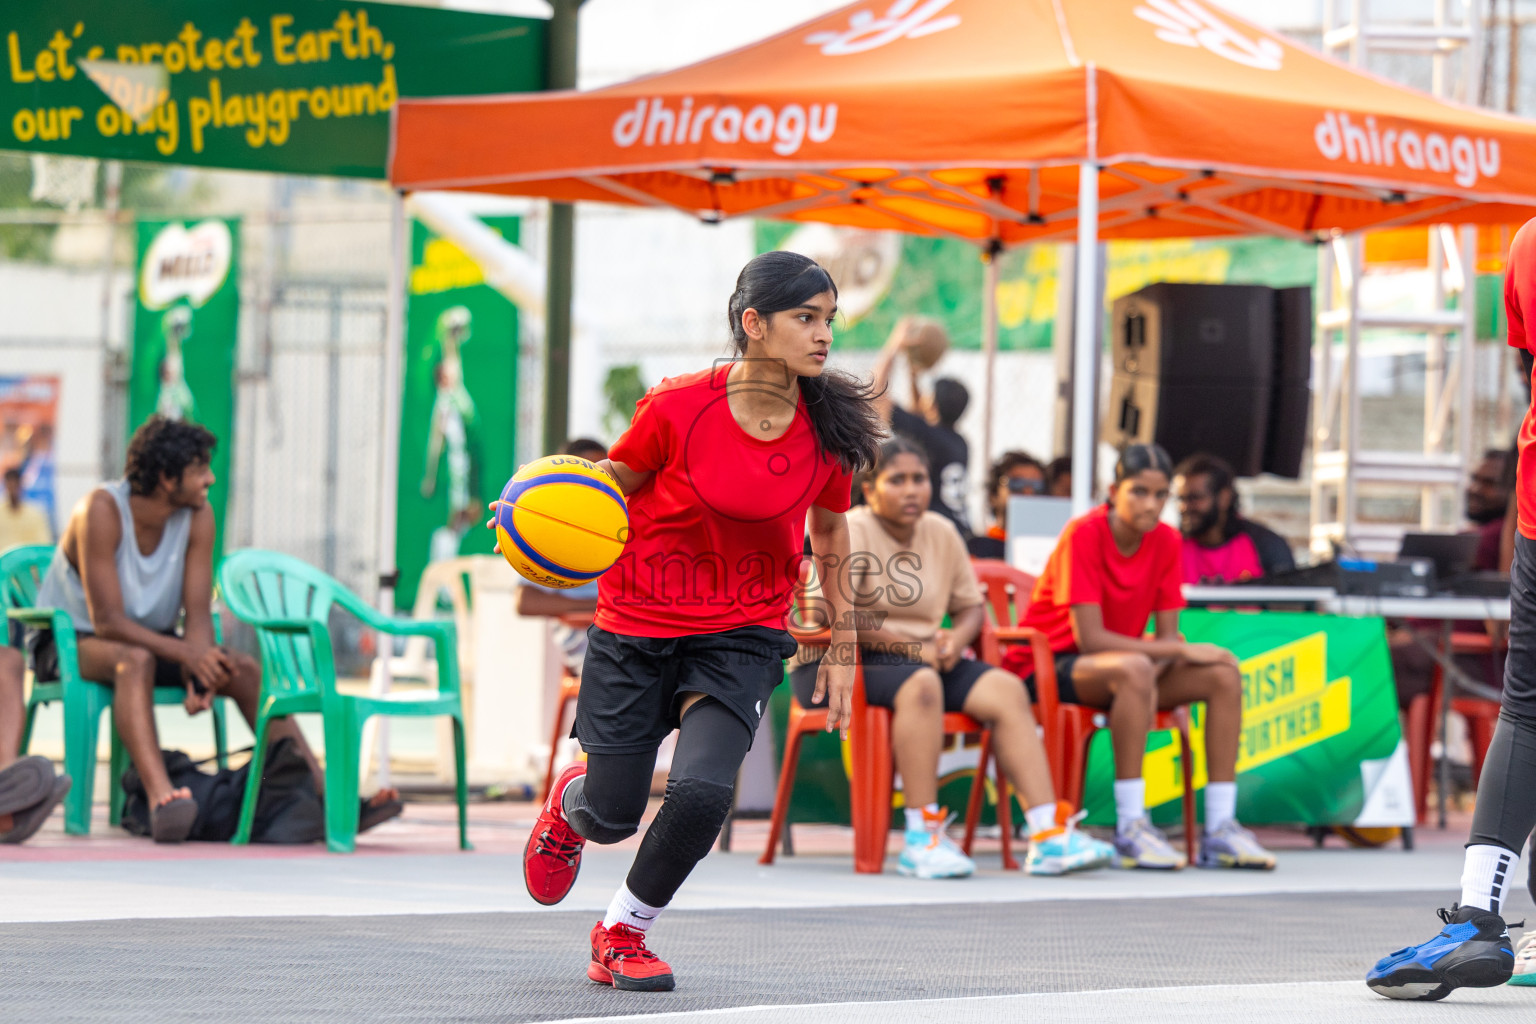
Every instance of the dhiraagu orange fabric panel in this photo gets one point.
(1185, 81)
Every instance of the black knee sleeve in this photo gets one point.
(690, 818)
(606, 804)
(684, 830)
(710, 747)
(588, 824)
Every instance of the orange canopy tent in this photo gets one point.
(975, 119)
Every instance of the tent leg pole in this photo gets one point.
(989, 354)
(1085, 341)
(389, 406)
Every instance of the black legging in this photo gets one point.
(606, 805)
(1506, 790)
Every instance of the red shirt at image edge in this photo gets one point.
(1520, 295)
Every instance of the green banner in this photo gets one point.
(1320, 722)
(458, 418)
(883, 276)
(295, 86)
(185, 334)
(1319, 744)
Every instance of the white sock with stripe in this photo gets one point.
(628, 909)
(1484, 876)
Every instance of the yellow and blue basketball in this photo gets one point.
(562, 521)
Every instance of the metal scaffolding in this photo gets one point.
(1340, 466)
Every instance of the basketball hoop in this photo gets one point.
(64, 181)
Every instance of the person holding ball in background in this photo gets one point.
(720, 469)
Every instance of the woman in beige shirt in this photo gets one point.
(908, 568)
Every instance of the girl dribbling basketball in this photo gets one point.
(724, 470)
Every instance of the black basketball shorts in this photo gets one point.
(632, 686)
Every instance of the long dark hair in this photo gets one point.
(840, 406)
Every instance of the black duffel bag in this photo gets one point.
(288, 807)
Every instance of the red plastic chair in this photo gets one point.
(570, 687)
(870, 788)
(1424, 717)
(1068, 727)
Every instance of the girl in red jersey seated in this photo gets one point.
(908, 570)
(725, 470)
(1113, 570)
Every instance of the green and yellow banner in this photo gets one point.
(1320, 723)
(1319, 744)
(185, 334)
(458, 417)
(296, 86)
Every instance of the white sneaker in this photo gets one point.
(1062, 849)
(1525, 960)
(932, 854)
(1232, 846)
(1142, 845)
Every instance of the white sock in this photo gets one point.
(915, 822)
(1483, 877)
(627, 909)
(1040, 819)
(1220, 804)
(1130, 801)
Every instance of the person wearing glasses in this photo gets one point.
(1014, 473)
(1221, 545)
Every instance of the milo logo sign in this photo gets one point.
(185, 263)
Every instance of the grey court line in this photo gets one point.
(1320, 1002)
(887, 1005)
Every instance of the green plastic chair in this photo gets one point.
(288, 602)
(21, 573)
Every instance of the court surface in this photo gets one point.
(114, 929)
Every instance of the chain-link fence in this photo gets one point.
(313, 265)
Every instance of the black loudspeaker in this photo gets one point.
(1193, 369)
(1290, 399)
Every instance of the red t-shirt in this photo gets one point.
(1087, 568)
(1520, 295)
(716, 532)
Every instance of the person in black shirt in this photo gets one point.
(930, 424)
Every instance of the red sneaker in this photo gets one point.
(552, 858)
(620, 959)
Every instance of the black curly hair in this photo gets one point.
(165, 447)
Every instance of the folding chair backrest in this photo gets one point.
(21, 573)
(1007, 590)
(452, 575)
(265, 587)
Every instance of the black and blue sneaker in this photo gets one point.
(1473, 950)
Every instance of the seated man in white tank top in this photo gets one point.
(136, 554)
